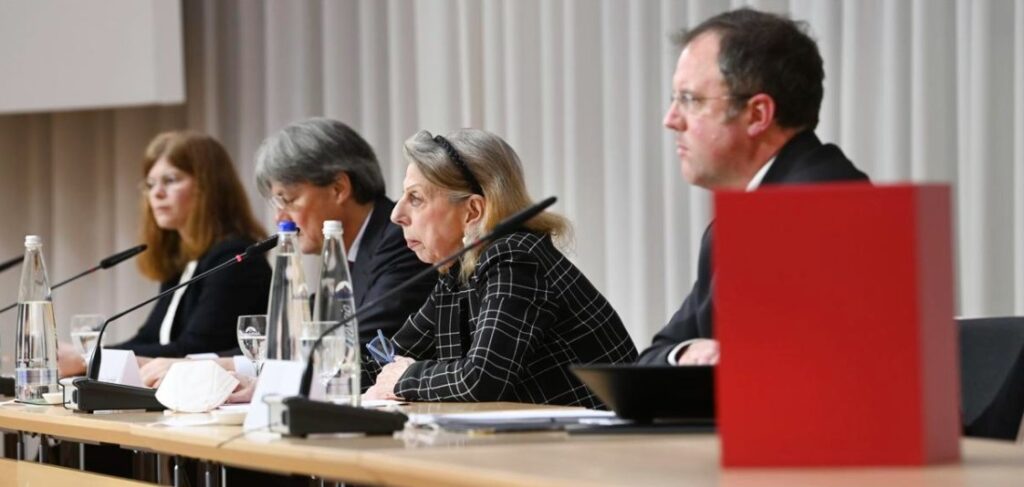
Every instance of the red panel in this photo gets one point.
(819, 304)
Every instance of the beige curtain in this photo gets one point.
(915, 91)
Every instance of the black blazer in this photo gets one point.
(208, 311)
(385, 261)
(804, 159)
(511, 333)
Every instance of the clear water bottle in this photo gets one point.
(35, 352)
(289, 297)
(338, 357)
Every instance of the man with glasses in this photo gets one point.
(320, 169)
(746, 94)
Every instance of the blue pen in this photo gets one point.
(382, 350)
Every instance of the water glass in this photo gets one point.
(252, 339)
(85, 331)
(336, 361)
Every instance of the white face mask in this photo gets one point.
(195, 386)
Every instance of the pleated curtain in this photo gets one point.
(915, 91)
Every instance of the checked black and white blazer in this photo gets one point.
(510, 334)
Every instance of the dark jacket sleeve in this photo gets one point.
(693, 319)
(682, 327)
(210, 308)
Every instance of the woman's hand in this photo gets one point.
(388, 378)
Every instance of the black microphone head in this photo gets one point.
(7, 264)
(122, 256)
(261, 247)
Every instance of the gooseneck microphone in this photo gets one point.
(7, 264)
(305, 416)
(104, 264)
(91, 394)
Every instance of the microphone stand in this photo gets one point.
(90, 394)
(302, 416)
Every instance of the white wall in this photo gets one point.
(60, 55)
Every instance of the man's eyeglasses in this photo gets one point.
(280, 203)
(690, 102)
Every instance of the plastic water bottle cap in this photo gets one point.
(333, 226)
(33, 241)
(286, 226)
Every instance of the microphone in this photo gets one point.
(90, 394)
(7, 383)
(104, 264)
(7, 264)
(303, 416)
(121, 257)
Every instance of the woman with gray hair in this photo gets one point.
(503, 323)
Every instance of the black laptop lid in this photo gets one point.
(648, 393)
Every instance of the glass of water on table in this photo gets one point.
(85, 330)
(336, 360)
(252, 339)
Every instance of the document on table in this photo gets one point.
(510, 420)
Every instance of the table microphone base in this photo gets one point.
(7, 386)
(299, 416)
(92, 395)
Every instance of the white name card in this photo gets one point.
(120, 367)
(277, 378)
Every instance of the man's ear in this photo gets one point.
(761, 114)
(342, 187)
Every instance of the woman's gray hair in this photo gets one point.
(317, 151)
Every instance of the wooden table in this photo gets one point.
(508, 459)
(28, 474)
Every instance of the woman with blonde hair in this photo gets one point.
(503, 323)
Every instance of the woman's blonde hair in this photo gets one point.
(497, 169)
(220, 207)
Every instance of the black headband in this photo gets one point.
(461, 164)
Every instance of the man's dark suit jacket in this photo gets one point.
(384, 261)
(803, 160)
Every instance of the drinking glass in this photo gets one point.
(252, 339)
(85, 330)
(336, 361)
